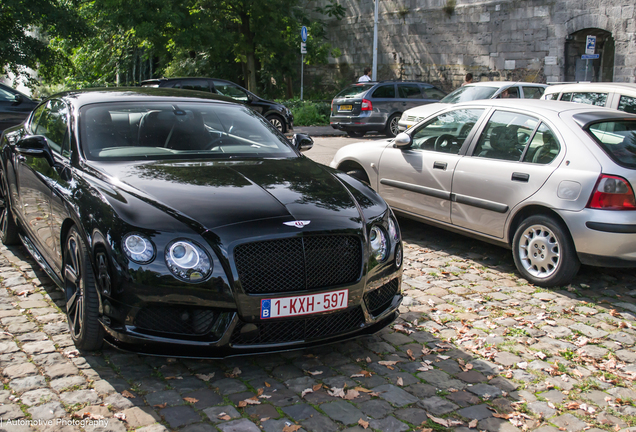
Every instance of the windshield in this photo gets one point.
(152, 131)
(618, 139)
(470, 93)
(354, 90)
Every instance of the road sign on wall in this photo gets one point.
(590, 45)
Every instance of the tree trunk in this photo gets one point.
(250, 56)
(290, 88)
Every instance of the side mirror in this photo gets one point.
(402, 140)
(17, 99)
(302, 142)
(36, 146)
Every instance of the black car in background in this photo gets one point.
(14, 107)
(279, 115)
(378, 106)
(181, 224)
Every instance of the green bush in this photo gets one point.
(309, 113)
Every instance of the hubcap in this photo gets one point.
(74, 286)
(394, 126)
(276, 123)
(539, 251)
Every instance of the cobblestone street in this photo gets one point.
(476, 349)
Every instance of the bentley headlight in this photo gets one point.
(187, 261)
(379, 248)
(138, 248)
(393, 230)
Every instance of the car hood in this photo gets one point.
(219, 193)
(426, 110)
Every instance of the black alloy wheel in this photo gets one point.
(8, 228)
(392, 127)
(82, 302)
(277, 122)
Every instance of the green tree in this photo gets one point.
(25, 30)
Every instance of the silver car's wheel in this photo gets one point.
(543, 251)
(277, 122)
(392, 127)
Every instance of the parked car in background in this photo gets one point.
(278, 114)
(620, 96)
(14, 107)
(377, 106)
(180, 224)
(553, 181)
(475, 91)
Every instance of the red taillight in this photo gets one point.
(612, 193)
(367, 105)
(332, 105)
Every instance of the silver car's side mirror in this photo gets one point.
(402, 140)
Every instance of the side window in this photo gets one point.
(53, 124)
(588, 98)
(432, 93)
(409, 91)
(551, 96)
(447, 132)
(509, 93)
(627, 104)
(36, 118)
(532, 92)
(385, 92)
(6, 95)
(228, 89)
(505, 136)
(194, 84)
(543, 148)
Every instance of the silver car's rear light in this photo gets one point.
(612, 193)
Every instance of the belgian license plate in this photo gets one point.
(345, 108)
(304, 305)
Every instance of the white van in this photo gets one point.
(620, 96)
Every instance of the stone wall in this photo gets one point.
(432, 41)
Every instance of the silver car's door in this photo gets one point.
(513, 157)
(418, 179)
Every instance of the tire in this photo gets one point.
(355, 134)
(277, 122)
(392, 129)
(82, 301)
(359, 174)
(544, 252)
(8, 227)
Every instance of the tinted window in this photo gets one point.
(355, 90)
(627, 104)
(6, 95)
(618, 139)
(432, 93)
(53, 124)
(199, 84)
(447, 132)
(509, 93)
(469, 93)
(532, 92)
(551, 96)
(544, 146)
(172, 130)
(231, 90)
(409, 91)
(385, 91)
(588, 98)
(505, 136)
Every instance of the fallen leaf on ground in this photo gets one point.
(120, 416)
(161, 406)
(306, 391)
(473, 424)
(223, 416)
(362, 374)
(409, 352)
(364, 424)
(191, 400)
(400, 381)
(205, 377)
(291, 428)
(316, 387)
(267, 384)
(312, 373)
(173, 377)
(351, 394)
(363, 390)
(128, 394)
(336, 392)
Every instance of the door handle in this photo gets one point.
(440, 165)
(520, 177)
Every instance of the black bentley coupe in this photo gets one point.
(187, 225)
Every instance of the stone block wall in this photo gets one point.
(495, 40)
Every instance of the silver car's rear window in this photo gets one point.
(470, 93)
(354, 90)
(618, 139)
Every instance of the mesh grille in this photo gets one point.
(305, 329)
(298, 263)
(379, 300)
(179, 320)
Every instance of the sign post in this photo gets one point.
(590, 49)
(303, 51)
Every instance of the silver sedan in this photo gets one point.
(550, 180)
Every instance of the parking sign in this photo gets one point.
(590, 45)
